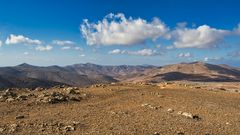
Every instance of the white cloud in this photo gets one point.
(119, 30)
(44, 48)
(78, 48)
(116, 29)
(82, 55)
(20, 39)
(201, 37)
(185, 55)
(63, 42)
(169, 47)
(212, 59)
(26, 53)
(66, 48)
(116, 51)
(143, 52)
(0, 43)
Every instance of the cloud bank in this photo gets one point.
(116, 29)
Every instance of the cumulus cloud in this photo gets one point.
(116, 29)
(0, 43)
(63, 42)
(44, 48)
(66, 48)
(116, 51)
(119, 30)
(82, 55)
(206, 59)
(26, 53)
(201, 37)
(169, 47)
(185, 55)
(78, 48)
(20, 39)
(143, 52)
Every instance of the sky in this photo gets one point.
(119, 32)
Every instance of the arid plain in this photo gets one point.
(181, 108)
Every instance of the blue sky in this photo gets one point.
(156, 32)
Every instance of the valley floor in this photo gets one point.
(137, 109)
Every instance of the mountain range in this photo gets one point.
(30, 76)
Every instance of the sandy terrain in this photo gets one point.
(138, 109)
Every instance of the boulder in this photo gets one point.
(57, 97)
(71, 90)
(13, 127)
(69, 128)
(75, 98)
(8, 93)
(156, 133)
(22, 97)
(170, 110)
(189, 115)
(2, 130)
(20, 117)
(10, 99)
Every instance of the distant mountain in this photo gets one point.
(120, 73)
(12, 77)
(26, 75)
(196, 71)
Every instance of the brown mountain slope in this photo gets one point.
(121, 72)
(197, 71)
(25, 75)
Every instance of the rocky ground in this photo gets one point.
(180, 108)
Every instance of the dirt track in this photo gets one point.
(126, 109)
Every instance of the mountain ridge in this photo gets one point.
(26, 75)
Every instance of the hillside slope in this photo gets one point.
(26, 75)
(197, 71)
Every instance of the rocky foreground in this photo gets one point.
(164, 108)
